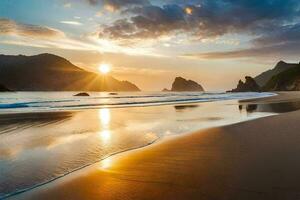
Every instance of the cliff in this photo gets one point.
(288, 80)
(281, 66)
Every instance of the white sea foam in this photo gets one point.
(54, 101)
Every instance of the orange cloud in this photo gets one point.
(10, 27)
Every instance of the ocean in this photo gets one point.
(47, 135)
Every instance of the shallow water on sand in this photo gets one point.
(37, 147)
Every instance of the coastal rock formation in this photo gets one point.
(249, 85)
(165, 90)
(281, 66)
(4, 89)
(288, 80)
(47, 72)
(82, 94)
(283, 77)
(180, 84)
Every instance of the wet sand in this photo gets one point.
(281, 97)
(257, 159)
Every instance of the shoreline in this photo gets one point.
(67, 180)
(126, 105)
(277, 98)
(13, 194)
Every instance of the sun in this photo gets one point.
(104, 68)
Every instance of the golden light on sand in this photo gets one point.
(104, 68)
(105, 136)
(106, 163)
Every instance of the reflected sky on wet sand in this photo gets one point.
(39, 149)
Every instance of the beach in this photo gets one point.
(256, 159)
(149, 100)
(38, 135)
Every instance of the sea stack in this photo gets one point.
(180, 85)
(249, 85)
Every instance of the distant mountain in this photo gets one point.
(249, 85)
(47, 72)
(180, 85)
(288, 80)
(264, 77)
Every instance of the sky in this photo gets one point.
(150, 42)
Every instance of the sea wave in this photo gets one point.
(52, 101)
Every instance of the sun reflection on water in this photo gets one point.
(105, 135)
(106, 163)
(104, 118)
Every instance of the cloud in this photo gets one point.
(92, 2)
(288, 49)
(40, 37)
(124, 3)
(44, 37)
(10, 27)
(149, 22)
(282, 41)
(118, 4)
(67, 5)
(199, 19)
(75, 23)
(286, 33)
(273, 24)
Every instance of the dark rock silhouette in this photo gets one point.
(281, 66)
(288, 80)
(180, 85)
(47, 72)
(113, 93)
(82, 94)
(283, 77)
(4, 89)
(249, 85)
(165, 90)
